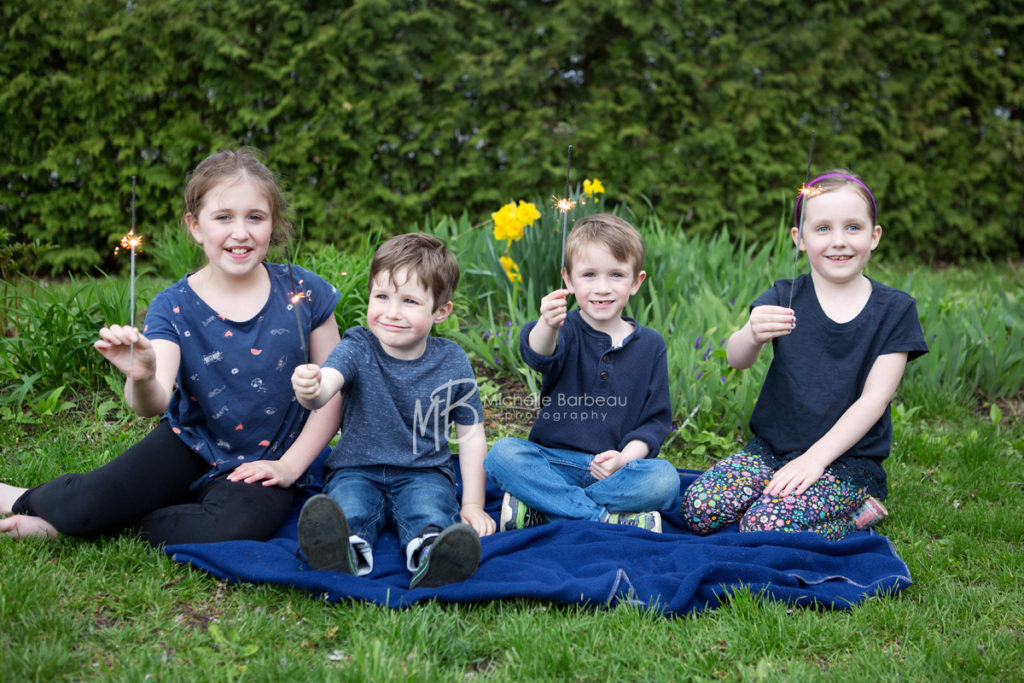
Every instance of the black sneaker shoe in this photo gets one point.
(515, 514)
(323, 536)
(449, 557)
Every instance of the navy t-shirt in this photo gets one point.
(233, 401)
(819, 370)
(399, 412)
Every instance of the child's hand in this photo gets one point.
(795, 477)
(607, 463)
(554, 308)
(306, 382)
(115, 343)
(768, 322)
(270, 472)
(474, 515)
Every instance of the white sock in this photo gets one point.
(410, 550)
(364, 555)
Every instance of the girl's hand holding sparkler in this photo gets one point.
(768, 322)
(149, 367)
(115, 345)
(765, 323)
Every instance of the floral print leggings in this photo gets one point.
(733, 490)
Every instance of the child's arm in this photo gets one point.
(553, 309)
(607, 463)
(765, 323)
(879, 387)
(472, 451)
(320, 428)
(314, 386)
(150, 368)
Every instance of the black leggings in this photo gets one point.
(147, 488)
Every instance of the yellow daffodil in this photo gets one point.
(526, 213)
(592, 187)
(506, 226)
(511, 269)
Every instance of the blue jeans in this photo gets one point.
(559, 484)
(412, 499)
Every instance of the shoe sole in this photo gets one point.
(323, 535)
(454, 556)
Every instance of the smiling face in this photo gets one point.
(838, 235)
(401, 313)
(233, 225)
(602, 284)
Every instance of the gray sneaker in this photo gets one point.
(651, 521)
(323, 536)
(449, 557)
(515, 514)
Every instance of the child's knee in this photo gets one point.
(664, 484)
(765, 516)
(504, 454)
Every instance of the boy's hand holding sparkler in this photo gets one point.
(553, 309)
(306, 383)
(315, 386)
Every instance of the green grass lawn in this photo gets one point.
(118, 609)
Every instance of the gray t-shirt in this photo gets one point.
(400, 412)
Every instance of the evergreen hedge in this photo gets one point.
(377, 113)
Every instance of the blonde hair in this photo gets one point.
(423, 254)
(834, 179)
(243, 164)
(617, 234)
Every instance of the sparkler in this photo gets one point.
(565, 205)
(295, 297)
(805, 193)
(131, 243)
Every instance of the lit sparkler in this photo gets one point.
(131, 243)
(295, 297)
(805, 193)
(565, 205)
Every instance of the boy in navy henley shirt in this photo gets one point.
(604, 407)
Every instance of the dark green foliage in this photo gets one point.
(377, 113)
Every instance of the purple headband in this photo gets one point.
(806, 190)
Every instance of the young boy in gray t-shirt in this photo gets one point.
(402, 392)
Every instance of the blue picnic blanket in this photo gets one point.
(588, 563)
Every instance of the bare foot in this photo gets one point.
(8, 495)
(22, 526)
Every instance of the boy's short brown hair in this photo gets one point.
(423, 254)
(621, 238)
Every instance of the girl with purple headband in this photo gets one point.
(821, 424)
